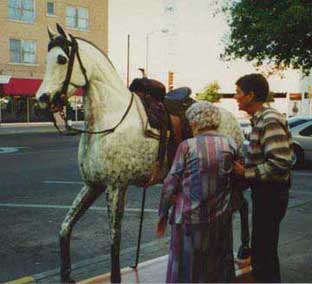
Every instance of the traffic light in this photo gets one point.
(170, 80)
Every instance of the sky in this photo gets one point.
(187, 41)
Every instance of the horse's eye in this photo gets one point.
(61, 60)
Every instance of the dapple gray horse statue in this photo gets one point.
(109, 159)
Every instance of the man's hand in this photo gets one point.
(239, 169)
(161, 227)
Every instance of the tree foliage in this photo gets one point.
(210, 93)
(277, 32)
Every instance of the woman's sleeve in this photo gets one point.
(173, 181)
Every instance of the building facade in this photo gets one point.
(24, 40)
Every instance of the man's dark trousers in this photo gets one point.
(269, 207)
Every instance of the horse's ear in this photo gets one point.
(51, 33)
(61, 31)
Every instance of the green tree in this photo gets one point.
(210, 93)
(276, 32)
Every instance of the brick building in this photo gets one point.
(24, 40)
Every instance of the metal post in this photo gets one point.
(140, 231)
(76, 109)
(27, 109)
(147, 51)
(128, 60)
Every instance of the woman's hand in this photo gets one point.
(161, 227)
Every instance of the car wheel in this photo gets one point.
(299, 157)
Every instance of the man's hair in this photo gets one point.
(256, 83)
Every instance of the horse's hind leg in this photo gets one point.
(82, 202)
(116, 197)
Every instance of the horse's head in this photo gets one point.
(64, 71)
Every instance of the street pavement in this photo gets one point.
(33, 127)
(29, 237)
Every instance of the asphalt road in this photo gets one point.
(39, 180)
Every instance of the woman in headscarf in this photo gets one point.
(198, 187)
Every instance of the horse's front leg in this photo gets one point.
(82, 202)
(116, 197)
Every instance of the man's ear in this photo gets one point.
(251, 96)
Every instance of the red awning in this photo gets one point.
(21, 87)
(25, 87)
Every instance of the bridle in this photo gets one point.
(60, 98)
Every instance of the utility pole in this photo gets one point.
(128, 60)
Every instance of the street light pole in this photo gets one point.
(128, 60)
(146, 53)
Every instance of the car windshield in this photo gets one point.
(296, 121)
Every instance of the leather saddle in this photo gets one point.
(165, 111)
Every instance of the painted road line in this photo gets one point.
(23, 280)
(303, 173)
(9, 150)
(51, 206)
(80, 182)
(62, 182)
(45, 151)
(301, 191)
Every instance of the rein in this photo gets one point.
(61, 97)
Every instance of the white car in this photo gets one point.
(297, 120)
(302, 142)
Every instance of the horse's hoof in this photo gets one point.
(67, 280)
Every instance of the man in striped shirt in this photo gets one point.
(268, 164)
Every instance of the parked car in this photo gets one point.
(297, 120)
(302, 142)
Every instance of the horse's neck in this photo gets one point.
(105, 103)
(107, 97)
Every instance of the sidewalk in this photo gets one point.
(32, 127)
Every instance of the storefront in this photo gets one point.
(18, 103)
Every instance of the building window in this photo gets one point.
(22, 10)
(77, 18)
(50, 8)
(22, 51)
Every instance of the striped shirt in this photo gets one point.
(199, 179)
(270, 154)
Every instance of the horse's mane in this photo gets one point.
(99, 49)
